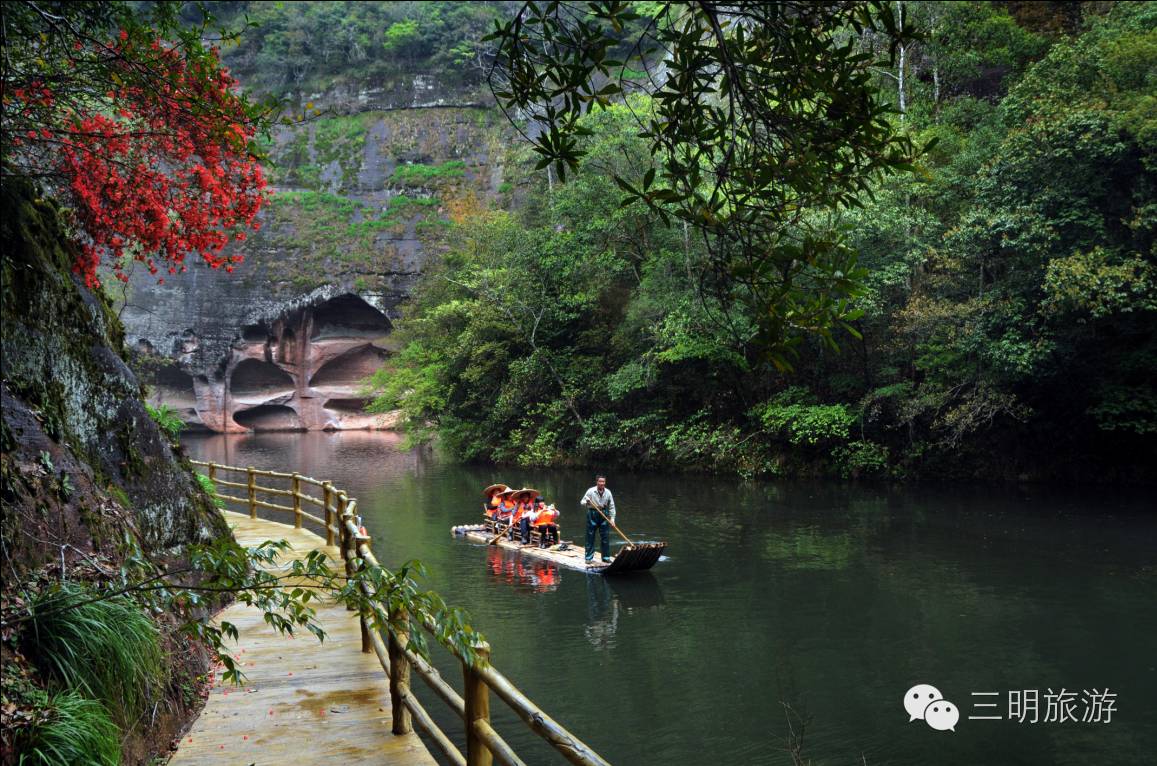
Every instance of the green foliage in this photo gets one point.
(739, 141)
(1092, 283)
(210, 489)
(972, 42)
(70, 729)
(418, 174)
(310, 46)
(167, 419)
(403, 37)
(861, 459)
(106, 648)
(803, 423)
(1004, 320)
(1126, 409)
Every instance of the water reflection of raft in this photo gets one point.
(630, 558)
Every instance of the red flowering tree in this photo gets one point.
(134, 124)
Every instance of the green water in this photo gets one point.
(831, 598)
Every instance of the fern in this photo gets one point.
(210, 490)
(166, 419)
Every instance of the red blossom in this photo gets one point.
(159, 171)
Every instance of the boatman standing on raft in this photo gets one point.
(600, 505)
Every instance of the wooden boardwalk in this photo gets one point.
(302, 701)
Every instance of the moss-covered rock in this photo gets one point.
(78, 442)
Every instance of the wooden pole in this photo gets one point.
(296, 501)
(327, 497)
(477, 700)
(213, 474)
(367, 643)
(349, 549)
(399, 637)
(252, 493)
(608, 518)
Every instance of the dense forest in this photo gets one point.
(1003, 322)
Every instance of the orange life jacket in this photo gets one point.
(505, 508)
(546, 516)
(524, 509)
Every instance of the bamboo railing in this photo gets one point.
(484, 745)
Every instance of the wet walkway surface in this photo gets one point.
(303, 701)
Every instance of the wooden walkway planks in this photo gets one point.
(302, 701)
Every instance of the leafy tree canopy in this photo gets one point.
(129, 118)
(761, 114)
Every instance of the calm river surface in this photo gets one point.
(833, 598)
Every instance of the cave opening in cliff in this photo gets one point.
(287, 347)
(269, 417)
(253, 379)
(349, 369)
(254, 333)
(348, 316)
(356, 405)
(173, 386)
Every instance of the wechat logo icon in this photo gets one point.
(924, 702)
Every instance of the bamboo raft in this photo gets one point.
(635, 557)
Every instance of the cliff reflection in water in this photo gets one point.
(341, 457)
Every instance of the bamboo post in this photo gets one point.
(477, 698)
(367, 643)
(327, 498)
(398, 637)
(296, 501)
(252, 493)
(213, 475)
(349, 550)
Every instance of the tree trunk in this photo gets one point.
(903, 61)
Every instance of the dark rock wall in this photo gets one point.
(83, 465)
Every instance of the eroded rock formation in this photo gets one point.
(362, 201)
(300, 370)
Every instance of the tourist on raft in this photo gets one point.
(524, 513)
(492, 501)
(504, 511)
(600, 507)
(546, 522)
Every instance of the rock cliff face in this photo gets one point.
(84, 468)
(412, 91)
(361, 204)
(298, 368)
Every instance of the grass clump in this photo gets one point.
(105, 648)
(419, 174)
(71, 729)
